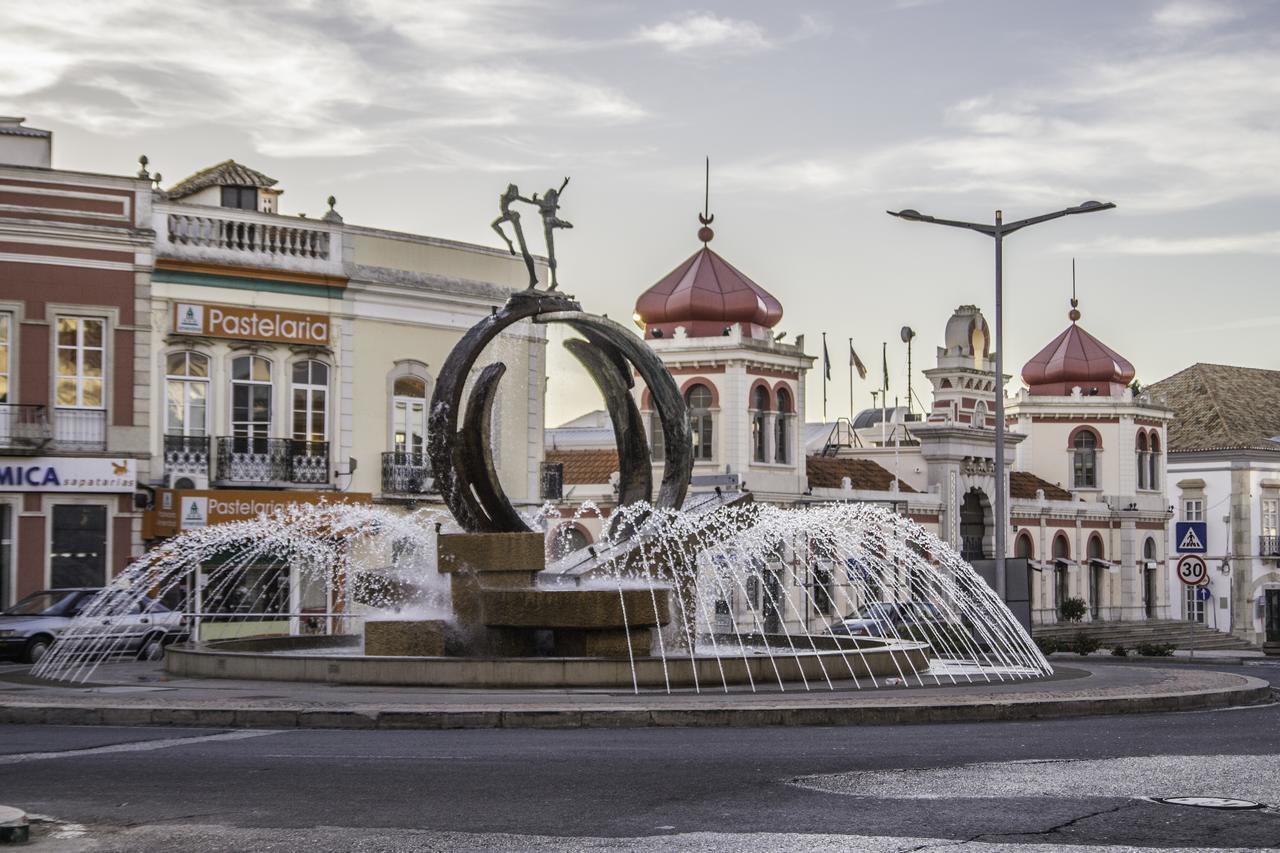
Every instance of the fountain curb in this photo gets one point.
(1253, 692)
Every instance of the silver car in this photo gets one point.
(30, 627)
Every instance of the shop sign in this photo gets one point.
(67, 474)
(250, 324)
(177, 510)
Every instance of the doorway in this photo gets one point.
(1272, 623)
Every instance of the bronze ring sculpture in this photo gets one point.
(462, 460)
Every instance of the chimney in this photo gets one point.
(24, 146)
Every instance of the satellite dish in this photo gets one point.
(907, 334)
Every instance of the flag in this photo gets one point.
(855, 362)
(826, 358)
(884, 360)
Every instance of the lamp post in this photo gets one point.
(998, 231)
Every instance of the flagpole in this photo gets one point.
(826, 369)
(850, 382)
(884, 394)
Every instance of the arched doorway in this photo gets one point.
(567, 539)
(975, 515)
(1061, 559)
(1097, 576)
(1149, 576)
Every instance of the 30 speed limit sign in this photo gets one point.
(1192, 571)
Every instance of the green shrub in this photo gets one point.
(1047, 645)
(1155, 650)
(1084, 645)
(1072, 610)
(1119, 651)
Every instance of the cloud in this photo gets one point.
(1264, 243)
(706, 32)
(1194, 14)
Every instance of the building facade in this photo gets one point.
(76, 254)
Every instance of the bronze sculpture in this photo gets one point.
(547, 207)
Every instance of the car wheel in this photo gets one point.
(152, 647)
(36, 649)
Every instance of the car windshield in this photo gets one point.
(56, 602)
(879, 610)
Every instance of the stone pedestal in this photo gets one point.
(404, 637)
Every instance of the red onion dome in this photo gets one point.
(1074, 359)
(706, 294)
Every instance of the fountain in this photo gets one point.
(682, 592)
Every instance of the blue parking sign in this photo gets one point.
(1190, 537)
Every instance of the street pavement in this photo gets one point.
(1033, 785)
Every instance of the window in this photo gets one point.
(1023, 547)
(1193, 509)
(6, 341)
(567, 539)
(78, 546)
(657, 439)
(1084, 460)
(781, 428)
(251, 397)
(186, 393)
(243, 198)
(1144, 468)
(824, 590)
(1270, 518)
(409, 414)
(1194, 606)
(81, 342)
(310, 399)
(759, 431)
(1153, 461)
(698, 399)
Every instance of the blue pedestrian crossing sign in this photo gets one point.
(1190, 537)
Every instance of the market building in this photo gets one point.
(76, 254)
(1224, 473)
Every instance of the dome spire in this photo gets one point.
(1074, 313)
(706, 217)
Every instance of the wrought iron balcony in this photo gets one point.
(80, 429)
(186, 454)
(406, 473)
(1269, 546)
(246, 459)
(23, 428)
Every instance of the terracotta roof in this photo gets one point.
(585, 467)
(1077, 358)
(704, 294)
(228, 173)
(1023, 484)
(1220, 407)
(826, 472)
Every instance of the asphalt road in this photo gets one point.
(1054, 783)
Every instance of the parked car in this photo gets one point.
(908, 620)
(29, 628)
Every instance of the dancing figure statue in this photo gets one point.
(505, 201)
(547, 206)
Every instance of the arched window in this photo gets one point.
(1097, 575)
(1023, 546)
(1061, 554)
(251, 398)
(1153, 461)
(1143, 467)
(1095, 549)
(1084, 457)
(310, 394)
(567, 539)
(1061, 547)
(186, 394)
(980, 415)
(1149, 550)
(781, 428)
(698, 400)
(409, 414)
(759, 424)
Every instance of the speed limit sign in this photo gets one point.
(1192, 571)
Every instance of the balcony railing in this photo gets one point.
(1269, 546)
(245, 459)
(80, 429)
(23, 428)
(406, 473)
(246, 237)
(186, 454)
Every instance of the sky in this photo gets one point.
(817, 117)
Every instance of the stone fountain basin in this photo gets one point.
(303, 659)
(576, 608)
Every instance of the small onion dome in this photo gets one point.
(705, 295)
(968, 334)
(1077, 359)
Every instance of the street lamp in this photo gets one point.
(998, 232)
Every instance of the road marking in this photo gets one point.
(137, 746)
